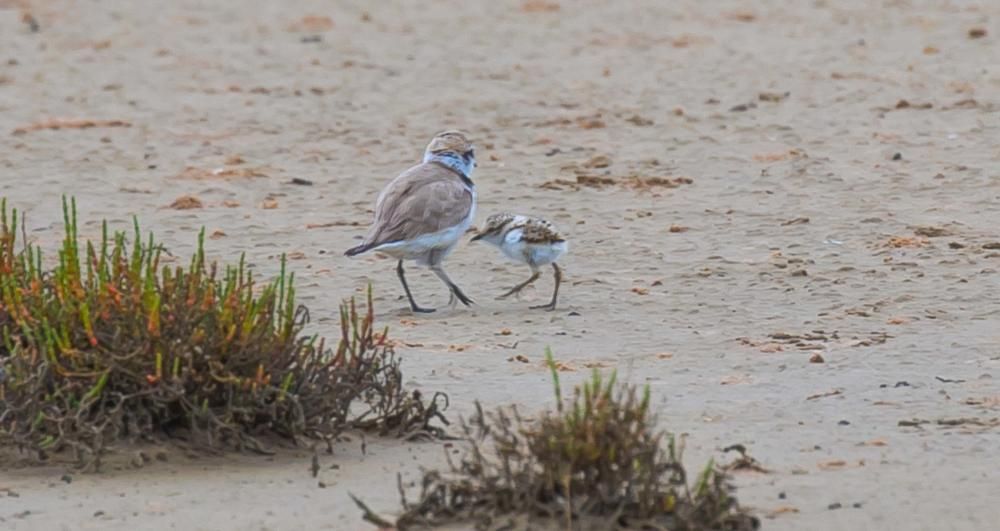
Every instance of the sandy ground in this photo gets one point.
(854, 218)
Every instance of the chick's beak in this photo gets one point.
(478, 237)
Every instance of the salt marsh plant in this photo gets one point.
(105, 343)
(596, 462)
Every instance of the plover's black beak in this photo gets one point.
(478, 237)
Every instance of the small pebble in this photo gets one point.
(834, 506)
(844, 423)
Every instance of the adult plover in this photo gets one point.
(424, 211)
(529, 241)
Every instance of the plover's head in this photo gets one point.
(494, 229)
(452, 149)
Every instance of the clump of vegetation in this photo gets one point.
(596, 463)
(109, 344)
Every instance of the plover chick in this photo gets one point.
(526, 240)
(424, 211)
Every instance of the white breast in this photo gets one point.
(534, 254)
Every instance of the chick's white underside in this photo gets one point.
(533, 254)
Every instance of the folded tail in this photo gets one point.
(357, 249)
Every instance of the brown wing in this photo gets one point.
(540, 231)
(425, 199)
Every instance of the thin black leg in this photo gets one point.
(555, 293)
(455, 290)
(406, 288)
(519, 287)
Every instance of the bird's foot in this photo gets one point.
(457, 295)
(513, 291)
